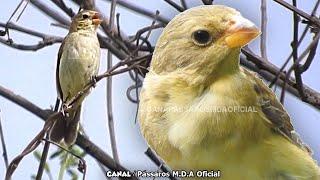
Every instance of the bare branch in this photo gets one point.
(207, 2)
(24, 8)
(263, 38)
(303, 35)
(82, 166)
(158, 162)
(109, 91)
(112, 13)
(28, 31)
(184, 4)
(43, 159)
(175, 5)
(32, 145)
(140, 10)
(104, 42)
(306, 98)
(62, 5)
(294, 43)
(50, 12)
(310, 57)
(312, 19)
(82, 141)
(312, 96)
(39, 45)
(45, 150)
(118, 43)
(3, 144)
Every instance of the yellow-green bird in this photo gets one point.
(78, 62)
(199, 110)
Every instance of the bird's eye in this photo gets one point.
(85, 16)
(201, 37)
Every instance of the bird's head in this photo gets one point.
(202, 40)
(85, 20)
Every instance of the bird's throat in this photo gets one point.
(226, 67)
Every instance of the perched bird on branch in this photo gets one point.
(199, 110)
(78, 62)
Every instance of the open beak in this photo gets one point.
(241, 32)
(96, 19)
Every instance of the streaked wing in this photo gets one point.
(275, 115)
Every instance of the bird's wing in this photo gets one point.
(273, 111)
(60, 95)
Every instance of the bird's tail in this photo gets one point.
(66, 128)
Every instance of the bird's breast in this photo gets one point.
(79, 61)
(200, 121)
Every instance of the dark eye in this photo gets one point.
(85, 16)
(201, 37)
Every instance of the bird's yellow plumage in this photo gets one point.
(200, 110)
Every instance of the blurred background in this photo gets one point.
(32, 75)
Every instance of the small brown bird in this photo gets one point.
(200, 110)
(78, 62)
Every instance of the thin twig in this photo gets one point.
(102, 168)
(24, 8)
(310, 57)
(112, 133)
(294, 45)
(118, 26)
(62, 5)
(82, 166)
(3, 144)
(263, 38)
(303, 35)
(175, 5)
(15, 10)
(141, 10)
(34, 143)
(118, 43)
(295, 51)
(184, 4)
(146, 29)
(43, 159)
(112, 13)
(313, 96)
(50, 12)
(82, 141)
(39, 45)
(207, 2)
(46, 147)
(110, 111)
(104, 42)
(296, 65)
(28, 31)
(301, 13)
(60, 25)
(159, 163)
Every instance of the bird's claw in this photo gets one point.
(64, 109)
(94, 81)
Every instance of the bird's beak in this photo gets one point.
(241, 32)
(96, 19)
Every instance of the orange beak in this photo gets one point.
(96, 19)
(241, 33)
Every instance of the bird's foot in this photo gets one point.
(94, 81)
(65, 109)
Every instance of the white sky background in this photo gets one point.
(32, 75)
